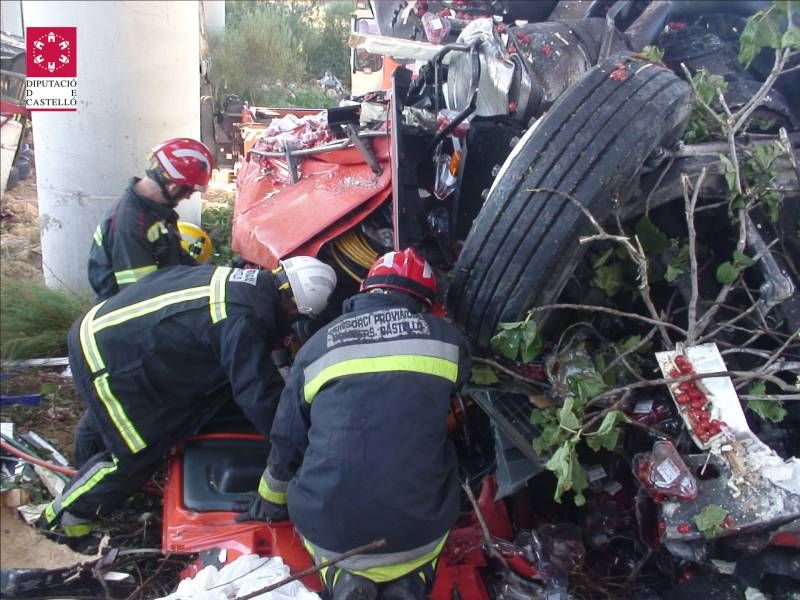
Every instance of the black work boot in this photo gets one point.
(76, 533)
(408, 587)
(354, 587)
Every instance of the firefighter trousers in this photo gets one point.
(88, 440)
(102, 484)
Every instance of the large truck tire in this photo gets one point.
(523, 245)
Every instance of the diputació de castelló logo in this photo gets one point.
(52, 68)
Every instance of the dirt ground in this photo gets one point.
(30, 549)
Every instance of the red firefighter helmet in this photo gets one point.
(403, 270)
(182, 161)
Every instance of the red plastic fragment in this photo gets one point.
(620, 73)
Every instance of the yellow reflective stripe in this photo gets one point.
(145, 307)
(155, 230)
(216, 300)
(386, 573)
(88, 485)
(269, 495)
(90, 351)
(382, 573)
(426, 365)
(126, 429)
(78, 530)
(98, 236)
(50, 513)
(133, 275)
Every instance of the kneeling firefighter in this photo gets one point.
(156, 361)
(359, 442)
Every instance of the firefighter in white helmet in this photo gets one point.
(151, 361)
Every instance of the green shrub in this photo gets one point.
(216, 222)
(35, 319)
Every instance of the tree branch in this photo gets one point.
(645, 340)
(511, 372)
(636, 253)
(744, 113)
(670, 380)
(316, 568)
(610, 311)
(776, 398)
(691, 203)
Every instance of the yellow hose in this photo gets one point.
(354, 247)
(343, 266)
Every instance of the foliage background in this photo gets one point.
(273, 51)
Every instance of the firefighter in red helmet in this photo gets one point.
(139, 233)
(359, 447)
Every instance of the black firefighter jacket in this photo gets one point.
(136, 237)
(359, 442)
(154, 362)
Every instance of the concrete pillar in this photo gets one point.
(138, 81)
(11, 17)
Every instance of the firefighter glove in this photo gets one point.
(258, 509)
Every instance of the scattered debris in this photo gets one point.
(247, 574)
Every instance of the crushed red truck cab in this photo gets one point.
(210, 474)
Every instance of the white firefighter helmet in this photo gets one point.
(312, 282)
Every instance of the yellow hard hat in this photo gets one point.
(195, 241)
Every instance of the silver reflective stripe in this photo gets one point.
(276, 485)
(416, 347)
(363, 562)
(83, 484)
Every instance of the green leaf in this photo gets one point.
(543, 416)
(531, 342)
(791, 38)
(609, 278)
(603, 258)
(772, 202)
(765, 154)
(768, 408)
(709, 520)
(727, 273)
(729, 172)
(607, 434)
(708, 86)
(678, 265)
(762, 123)
(483, 375)
(551, 436)
(741, 260)
(599, 362)
(506, 342)
(585, 387)
(571, 474)
(652, 238)
(653, 54)
(762, 30)
(567, 418)
(673, 273)
(699, 127)
(517, 340)
(629, 343)
(47, 388)
(580, 482)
